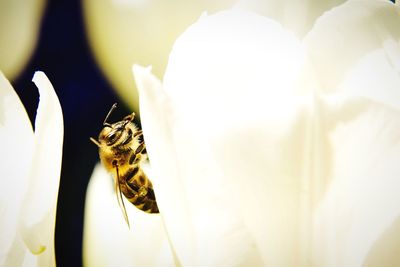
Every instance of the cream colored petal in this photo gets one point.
(240, 130)
(16, 138)
(19, 30)
(192, 247)
(195, 227)
(298, 16)
(361, 202)
(107, 239)
(355, 49)
(37, 221)
(245, 135)
(157, 124)
(125, 31)
(385, 250)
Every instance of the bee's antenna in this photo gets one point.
(105, 123)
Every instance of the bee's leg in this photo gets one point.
(138, 133)
(141, 149)
(134, 158)
(139, 154)
(130, 117)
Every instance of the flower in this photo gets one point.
(30, 172)
(273, 144)
(273, 148)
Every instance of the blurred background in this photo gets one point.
(87, 48)
(62, 52)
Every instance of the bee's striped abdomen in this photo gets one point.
(146, 203)
(138, 189)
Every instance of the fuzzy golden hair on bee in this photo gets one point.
(122, 151)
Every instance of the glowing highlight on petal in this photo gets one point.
(232, 79)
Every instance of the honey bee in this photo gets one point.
(122, 150)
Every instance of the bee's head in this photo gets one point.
(111, 133)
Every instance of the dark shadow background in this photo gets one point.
(64, 55)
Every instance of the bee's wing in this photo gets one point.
(120, 199)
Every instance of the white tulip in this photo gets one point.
(30, 174)
(269, 147)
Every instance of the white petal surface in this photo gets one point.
(190, 222)
(109, 242)
(298, 16)
(16, 138)
(37, 221)
(236, 73)
(386, 250)
(355, 49)
(263, 164)
(157, 123)
(238, 133)
(361, 202)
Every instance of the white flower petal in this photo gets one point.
(355, 49)
(195, 224)
(299, 16)
(16, 138)
(107, 239)
(385, 250)
(276, 159)
(361, 202)
(220, 69)
(157, 119)
(37, 221)
(232, 79)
